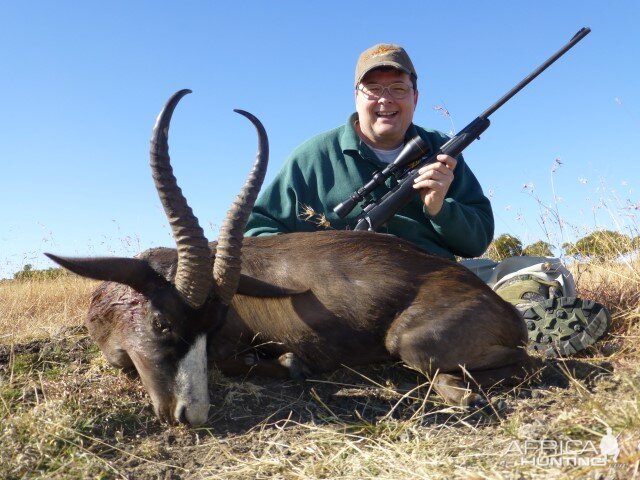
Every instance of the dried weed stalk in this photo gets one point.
(308, 214)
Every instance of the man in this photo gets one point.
(328, 168)
(449, 215)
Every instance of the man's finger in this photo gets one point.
(439, 166)
(429, 183)
(450, 162)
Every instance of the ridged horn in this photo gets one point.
(193, 275)
(228, 261)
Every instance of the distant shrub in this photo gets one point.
(601, 245)
(538, 249)
(503, 247)
(28, 273)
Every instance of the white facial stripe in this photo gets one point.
(191, 385)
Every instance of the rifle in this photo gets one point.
(375, 214)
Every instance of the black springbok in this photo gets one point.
(289, 305)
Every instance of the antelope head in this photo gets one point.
(156, 310)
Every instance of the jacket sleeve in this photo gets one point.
(465, 222)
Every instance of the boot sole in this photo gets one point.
(559, 327)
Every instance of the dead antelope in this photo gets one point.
(288, 305)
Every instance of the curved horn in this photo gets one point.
(228, 262)
(193, 275)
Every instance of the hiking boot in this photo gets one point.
(527, 289)
(557, 325)
(562, 326)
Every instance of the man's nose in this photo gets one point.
(385, 96)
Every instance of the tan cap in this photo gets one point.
(384, 55)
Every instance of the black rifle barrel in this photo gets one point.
(583, 32)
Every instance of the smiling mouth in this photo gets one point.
(386, 114)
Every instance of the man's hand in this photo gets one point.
(434, 181)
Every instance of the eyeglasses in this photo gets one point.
(373, 91)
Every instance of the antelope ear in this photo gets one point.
(133, 272)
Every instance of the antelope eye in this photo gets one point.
(159, 325)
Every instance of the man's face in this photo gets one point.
(383, 121)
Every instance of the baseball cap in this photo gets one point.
(384, 55)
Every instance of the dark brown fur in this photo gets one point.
(351, 298)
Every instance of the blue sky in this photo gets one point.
(83, 82)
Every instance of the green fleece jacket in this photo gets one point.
(328, 168)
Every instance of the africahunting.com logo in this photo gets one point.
(562, 453)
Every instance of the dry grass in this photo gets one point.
(64, 413)
(33, 309)
(616, 285)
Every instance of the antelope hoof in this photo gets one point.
(486, 408)
(296, 367)
(478, 403)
